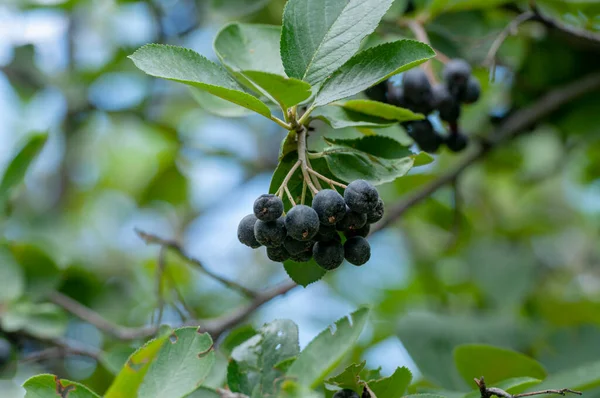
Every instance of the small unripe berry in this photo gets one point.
(270, 233)
(5, 352)
(376, 213)
(330, 206)
(357, 250)
(425, 136)
(346, 393)
(302, 222)
(361, 196)
(245, 231)
(456, 73)
(268, 207)
(329, 255)
(295, 247)
(364, 232)
(446, 104)
(277, 254)
(472, 91)
(352, 221)
(457, 142)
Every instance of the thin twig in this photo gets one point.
(421, 35)
(327, 180)
(487, 392)
(160, 269)
(314, 178)
(289, 195)
(170, 244)
(510, 29)
(302, 159)
(513, 126)
(562, 391)
(61, 348)
(303, 197)
(287, 179)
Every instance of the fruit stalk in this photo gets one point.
(302, 159)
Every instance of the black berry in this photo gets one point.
(330, 206)
(268, 207)
(472, 91)
(270, 233)
(302, 222)
(326, 233)
(352, 221)
(295, 247)
(417, 89)
(395, 96)
(357, 250)
(361, 196)
(5, 352)
(376, 213)
(378, 92)
(245, 231)
(456, 73)
(346, 393)
(329, 255)
(457, 142)
(277, 254)
(425, 136)
(302, 257)
(364, 232)
(445, 103)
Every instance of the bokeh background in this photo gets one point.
(509, 256)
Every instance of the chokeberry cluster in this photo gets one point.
(334, 228)
(417, 94)
(346, 393)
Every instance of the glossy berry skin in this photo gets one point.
(457, 142)
(445, 103)
(245, 231)
(277, 254)
(268, 207)
(270, 233)
(346, 393)
(295, 247)
(376, 213)
(425, 136)
(330, 206)
(472, 91)
(352, 221)
(302, 222)
(417, 89)
(361, 196)
(364, 232)
(328, 255)
(326, 233)
(5, 351)
(357, 250)
(456, 73)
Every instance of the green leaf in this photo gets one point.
(11, 275)
(326, 350)
(339, 117)
(285, 91)
(279, 342)
(437, 7)
(44, 320)
(236, 337)
(188, 67)
(319, 36)
(116, 357)
(583, 377)
(349, 378)
(423, 396)
(50, 386)
(181, 365)
(496, 364)
(393, 386)
(285, 364)
(243, 47)
(237, 8)
(350, 160)
(128, 381)
(372, 66)
(17, 167)
(381, 110)
(42, 275)
(204, 392)
(304, 273)
(218, 106)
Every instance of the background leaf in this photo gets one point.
(181, 365)
(349, 378)
(47, 386)
(203, 392)
(393, 386)
(372, 66)
(319, 36)
(325, 351)
(188, 67)
(495, 363)
(582, 377)
(45, 320)
(11, 275)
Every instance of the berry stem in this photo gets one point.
(280, 122)
(287, 179)
(314, 179)
(327, 180)
(421, 34)
(303, 192)
(302, 158)
(289, 195)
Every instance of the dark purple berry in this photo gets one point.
(270, 233)
(357, 250)
(245, 231)
(456, 73)
(327, 232)
(364, 232)
(295, 247)
(277, 254)
(417, 89)
(377, 92)
(268, 207)
(472, 91)
(425, 136)
(346, 393)
(329, 255)
(445, 103)
(352, 221)
(330, 206)
(457, 142)
(302, 257)
(361, 196)
(376, 213)
(302, 222)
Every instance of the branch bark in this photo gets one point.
(512, 127)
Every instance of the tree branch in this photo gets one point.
(512, 127)
(62, 348)
(487, 392)
(176, 247)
